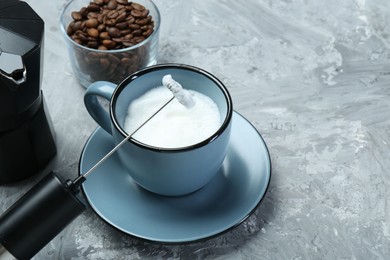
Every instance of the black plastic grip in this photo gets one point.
(38, 216)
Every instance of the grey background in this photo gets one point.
(312, 77)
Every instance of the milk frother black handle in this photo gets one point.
(37, 217)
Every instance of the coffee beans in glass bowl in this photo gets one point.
(110, 39)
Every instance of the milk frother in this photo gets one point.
(38, 216)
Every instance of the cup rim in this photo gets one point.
(155, 31)
(126, 81)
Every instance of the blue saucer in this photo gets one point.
(219, 206)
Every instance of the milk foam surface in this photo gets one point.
(174, 126)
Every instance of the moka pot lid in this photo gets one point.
(22, 32)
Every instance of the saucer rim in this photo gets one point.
(190, 241)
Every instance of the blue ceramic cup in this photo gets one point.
(165, 171)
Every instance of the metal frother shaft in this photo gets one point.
(75, 184)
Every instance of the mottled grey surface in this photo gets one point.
(312, 76)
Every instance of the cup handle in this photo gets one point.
(102, 89)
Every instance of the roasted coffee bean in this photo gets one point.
(112, 5)
(102, 54)
(137, 6)
(138, 39)
(137, 13)
(92, 15)
(98, 2)
(91, 23)
(93, 8)
(126, 32)
(77, 25)
(117, 40)
(111, 69)
(114, 32)
(109, 44)
(110, 22)
(129, 7)
(101, 27)
(130, 19)
(93, 56)
(128, 43)
(144, 27)
(76, 39)
(128, 36)
(142, 21)
(82, 36)
(92, 44)
(125, 61)
(93, 33)
(104, 63)
(113, 59)
(137, 32)
(104, 36)
(121, 17)
(100, 18)
(147, 33)
(76, 16)
(112, 14)
(134, 26)
(111, 25)
(70, 30)
(84, 11)
(121, 26)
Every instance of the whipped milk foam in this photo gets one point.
(175, 126)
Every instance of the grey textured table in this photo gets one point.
(312, 76)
